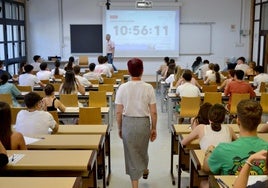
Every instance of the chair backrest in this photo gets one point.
(6, 97)
(94, 81)
(106, 87)
(56, 87)
(124, 72)
(213, 97)
(55, 116)
(69, 100)
(209, 88)
(58, 76)
(14, 112)
(189, 106)
(83, 60)
(41, 93)
(97, 99)
(236, 98)
(264, 102)
(263, 87)
(109, 80)
(24, 88)
(119, 76)
(45, 81)
(90, 115)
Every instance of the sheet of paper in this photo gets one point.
(29, 140)
(13, 159)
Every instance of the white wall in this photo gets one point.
(48, 31)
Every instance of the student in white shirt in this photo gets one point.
(28, 79)
(81, 79)
(37, 61)
(91, 75)
(44, 73)
(101, 68)
(259, 78)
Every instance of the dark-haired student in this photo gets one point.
(35, 121)
(202, 116)
(28, 79)
(37, 61)
(11, 140)
(3, 156)
(51, 103)
(57, 70)
(214, 133)
(92, 75)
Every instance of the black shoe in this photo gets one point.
(145, 174)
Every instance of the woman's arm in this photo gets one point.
(59, 105)
(233, 135)
(153, 114)
(80, 88)
(192, 136)
(242, 179)
(119, 113)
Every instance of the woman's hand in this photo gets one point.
(153, 135)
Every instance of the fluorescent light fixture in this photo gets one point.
(144, 4)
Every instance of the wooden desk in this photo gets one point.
(54, 163)
(40, 182)
(186, 129)
(229, 180)
(74, 142)
(91, 129)
(73, 112)
(196, 166)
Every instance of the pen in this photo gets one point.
(13, 157)
(222, 183)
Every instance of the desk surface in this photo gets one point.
(80, 160)
(104, 110)
(185, 128)
(40, 182)
(82, 129)
(89, 142)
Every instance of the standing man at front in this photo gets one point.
(110, 50)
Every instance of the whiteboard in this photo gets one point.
(195, 38)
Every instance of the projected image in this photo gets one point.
(144, 33)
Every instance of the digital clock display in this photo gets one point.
(152, 33)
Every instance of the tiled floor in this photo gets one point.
(159, 161)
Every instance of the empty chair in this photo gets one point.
(56, 87)
(6, 97)
(97, 99)
(14, 112)
(124, 72)
(69, 100)
(83, 61)
(106, 87)
(236, 98)
(90, 115)
(94, 81)
(189, 106)
(209, 88)
(24, 88)
(264, 102)
(109, 80)
(213, 97)
(118, 76)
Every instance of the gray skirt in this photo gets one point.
(136, 135)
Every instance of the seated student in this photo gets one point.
(37, 61)
(101, 68)
(3, 71)
(10, 140)
(28, 79)
(110, 66)
(182, 80)
(231, 73)
(3, 156)
(187, 89)
(202, 116)
(57, 70)
(91, 75)
(173, 78)
(214, 133)
(259, 78)
(70, 65)
(44, 73)
(51, 103)
(35, 121)
(83, 81)
(71, 85)
(171, 69)
(215, 76)
(242, 180)
(163, 68)
(238, 86)
(229, 158)
(9, 88)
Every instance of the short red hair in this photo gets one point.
(135, 67)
